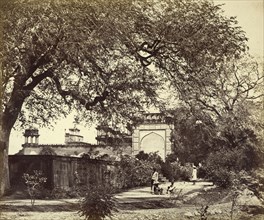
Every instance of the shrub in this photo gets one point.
(34, 183)
(222, 177)
(223, 166)
(142, 156)
(59, 193)
(225, 173)
(134, 172)
(167, 171)
(155, 158)
(98, 203)
(201, 172)
(186, 172)
(152, 157)
(175, 171)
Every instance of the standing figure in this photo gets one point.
(194, 174)
(77, 180)
(154, 179)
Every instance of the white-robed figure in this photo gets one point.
(194, 174)
(154, 178)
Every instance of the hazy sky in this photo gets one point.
(250, 17)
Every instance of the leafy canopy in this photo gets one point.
(61, 55)
(107, 59)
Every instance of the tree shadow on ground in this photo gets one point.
(39, 208)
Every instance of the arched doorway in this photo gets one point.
(153, 142)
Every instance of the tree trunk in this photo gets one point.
(4, 169)
(8, 117)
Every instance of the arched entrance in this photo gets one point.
(153, 142)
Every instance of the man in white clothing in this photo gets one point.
(154, 178)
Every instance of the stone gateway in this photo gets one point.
(153, 135)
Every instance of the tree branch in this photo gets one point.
(37, 79)
(42, 59)
(75, 95)
(152, 50)
(209, 106)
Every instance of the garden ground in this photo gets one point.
(188, 202)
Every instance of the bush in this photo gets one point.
(201, 172)
(183, 172)
(225, 165)
(134, 172)
(222, 177)
(174, 171)
(142, 155)
(34, 183)
(167, 171)
(152, 157)
(98, 203)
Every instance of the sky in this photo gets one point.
(250, 16)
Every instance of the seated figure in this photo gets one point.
(157, 190)
(171, 187)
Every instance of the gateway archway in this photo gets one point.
(153, 142)
(152, 135)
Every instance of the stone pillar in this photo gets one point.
(36, 139)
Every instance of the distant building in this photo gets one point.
(73, 146)
(73, 136)
(152, 134)
(108, 136)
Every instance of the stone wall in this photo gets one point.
(59, 149)
(60, 170)
(74, 149)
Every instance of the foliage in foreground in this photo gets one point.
(34, 183)
(98, 203)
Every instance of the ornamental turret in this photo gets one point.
(73, 136)
(31, 136)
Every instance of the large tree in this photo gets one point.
(220, 124)
(62, 55)
(209, 69)
(94, 56)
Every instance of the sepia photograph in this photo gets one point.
(132, 109)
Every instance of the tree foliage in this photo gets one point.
(192, 136)
(151, 157)
(84, 53)
(220, 123)
(108, 59)
(135, 172)
(60, 55)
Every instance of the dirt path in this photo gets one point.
(145, 193)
